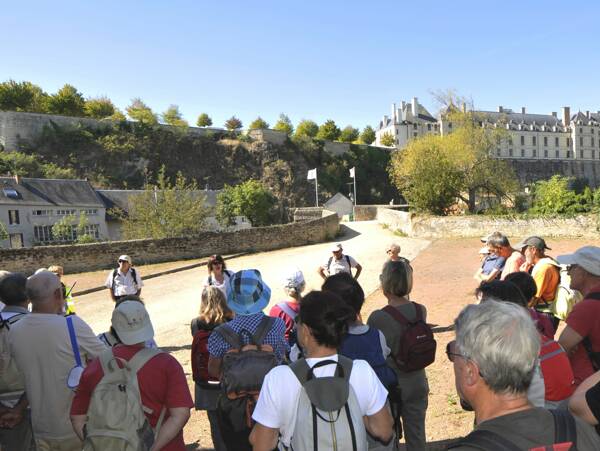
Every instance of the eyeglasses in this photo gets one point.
(572, 267)
(451, 354)
(123, 261)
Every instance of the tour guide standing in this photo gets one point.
(124, 281)
(338, 262)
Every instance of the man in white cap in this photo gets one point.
(124, 280)
(338, 262)
(581, 338)
(161, 379)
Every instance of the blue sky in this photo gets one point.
(344, 60)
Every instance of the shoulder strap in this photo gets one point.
(133, 275)
(348, 261)
(266, 324)
(229, 273)
(329, 263)
(285, 308)
(115, 273)
(419, 310)
(346, 363)
(394, 313)
(486, 441)
(141, 358)
(300, 369)
(229, 335)
(210, 280)
(73, 337)
(565, 429)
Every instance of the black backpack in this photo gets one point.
(565, 432)
(347, 257)
(116, 273)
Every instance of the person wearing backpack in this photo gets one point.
(16, 433)
(242, 352)
(51, 351)
(581, 337)
(129, 388)
(403, 324)
(213, 313)
(339, 262)
(493, 357)
(324, 401)
(124, 280)
(218, 274)
(293, 286)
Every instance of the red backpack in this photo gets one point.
(200, 355)
(556, 369)
(417, 345)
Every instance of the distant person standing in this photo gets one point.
(491, 266)
(67, 292)
(393, 252)
(339, 262)
(218, 274)
(124, 280)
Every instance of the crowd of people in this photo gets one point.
(313, 373)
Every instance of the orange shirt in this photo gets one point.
(547, 278)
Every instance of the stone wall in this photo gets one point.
(369, 212)
(529, 171)
(89, 257)
(308, 213)
(424, 226)
(268, 135)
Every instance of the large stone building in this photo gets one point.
(563, 137)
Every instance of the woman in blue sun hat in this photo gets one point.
(247, 296)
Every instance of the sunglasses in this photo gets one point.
(452, 355)
(123, 261)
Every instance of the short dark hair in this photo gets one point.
(524, 282)
(498, 239)
(12, 289)
(327, 316)
(347, 288)
(217, 258)
(500, 290)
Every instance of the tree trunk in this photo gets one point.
(471, 203)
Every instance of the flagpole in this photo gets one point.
(316, 188)
(354, 178)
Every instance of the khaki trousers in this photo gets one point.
(66, 444)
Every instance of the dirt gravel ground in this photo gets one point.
(443, 272)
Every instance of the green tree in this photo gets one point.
(22, 96)
(99, 108)
(67, 101)
(139, 111)
(258, 123)
(166, 209)
(3, 232)
(117, 116)
(307, 128)
(250, 199)
(554, 197)
(204, 120)
(233, 124)
(83, 235)
(329, 131)
(173, 117)
(387, 139)
(63, 229)
(284, 124)
(349, 134)
(368, 135)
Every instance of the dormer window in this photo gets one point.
(11, 193)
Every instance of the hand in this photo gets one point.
(11, 418)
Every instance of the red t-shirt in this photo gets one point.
(584, 319)
(162, 383)
(287, 319)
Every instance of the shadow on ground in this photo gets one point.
(346, 233)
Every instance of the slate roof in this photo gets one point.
(49, 192)
(520, 118)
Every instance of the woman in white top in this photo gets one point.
(218, 274)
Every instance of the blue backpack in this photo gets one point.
(367, 346)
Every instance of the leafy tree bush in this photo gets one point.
(329, 131)
(22, 96)
(307, 128)
(368, 135)
(204, 120)
(17, 163)
(63, 229)
(250, 199)
(139, 111)
(165, 210)
(349, 134)
(173, 117)
(99, 108)
(258, 123)
(3, 232)
(284, 124)
(67, 101)
(233, 124)
(387, 139)
(554, 197)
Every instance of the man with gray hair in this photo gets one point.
(501, 245)
(494, 357)
(46, 347)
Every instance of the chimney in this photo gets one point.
(554, 114)
(403, 105)
(522, 110)
(500, 109)
(17, 179)
(464, 107)
(394, 118)
(587, 114)
(385, 119)
(415, 110)
(566, 115)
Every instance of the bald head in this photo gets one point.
(43, 288)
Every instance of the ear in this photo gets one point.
(472, 376)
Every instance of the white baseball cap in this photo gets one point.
(132, 323)
(126, 258)
(588, 257)
(337, 247)
(293, 278)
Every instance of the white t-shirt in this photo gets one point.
(41, 346)
(212, 281)
(124, 284)
(341, 265)
(280, 393)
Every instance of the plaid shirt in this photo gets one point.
(217, 346)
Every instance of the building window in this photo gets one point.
(591, 130)
(449, 124)
(510, 152)
(522, 140)
(533, 140)
(534, 153)
(92, 230)
(545, 153)
(568, 154)
(593, 154)
(568, 142)
(415, 126)
(498, 152)
(522, 152)
(13, 217)
(429, 127)
(16, 240)
(581, 141)
(580, 130)
(43, 234)
(90, 211)
(510, 141)
(415, 134)
(556, 142)
(65, 212)
(41, 212)
(592, 138)
(581, 153)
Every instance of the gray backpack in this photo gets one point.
(116, 416)
(328, 415)
(11, 379)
